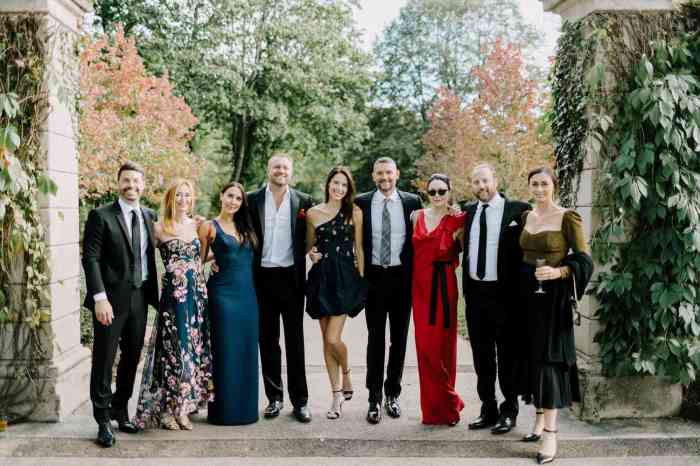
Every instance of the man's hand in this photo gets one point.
(214, 267)
(104, 313)
(314, 255)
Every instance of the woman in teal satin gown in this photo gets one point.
(233, 310)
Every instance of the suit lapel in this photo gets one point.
(262, 194)
(148, 221)
(294, 204)
(367, 223)
(471, 212)
(117, 210)
(406, 213)
(504, 220)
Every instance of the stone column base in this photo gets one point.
(625, 397)
(57, 388)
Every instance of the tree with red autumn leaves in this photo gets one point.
(501, 125)
(127, 114)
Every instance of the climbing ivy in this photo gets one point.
(650, 230)
(639, 101)
(24, 270)
(569, 125)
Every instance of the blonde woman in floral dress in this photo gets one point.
(177, 371)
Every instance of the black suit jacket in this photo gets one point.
(298, 202)
(510, 255)
(410, 203)
(108, 260)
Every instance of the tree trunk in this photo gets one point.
(242, 141)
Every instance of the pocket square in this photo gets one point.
(513, 224)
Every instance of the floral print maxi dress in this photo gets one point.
(177, 376)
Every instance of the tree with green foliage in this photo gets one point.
(396, 133)
(436, 43)
(268, 74)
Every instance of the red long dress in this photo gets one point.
(435, 258)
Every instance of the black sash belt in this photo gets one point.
(439, 275)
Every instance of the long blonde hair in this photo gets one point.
(167, 208)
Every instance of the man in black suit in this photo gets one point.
(492, 258)
(387, 232)
(120, 271)
(278, 213)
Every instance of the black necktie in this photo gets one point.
(136, 247)
(481, 261)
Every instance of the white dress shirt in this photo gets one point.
(398, 227)
(494, 216)
(126, 214)
(277, 242)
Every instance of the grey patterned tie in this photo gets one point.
(385, 248)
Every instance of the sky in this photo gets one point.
(375, 15)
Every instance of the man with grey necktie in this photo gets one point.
(388, 253)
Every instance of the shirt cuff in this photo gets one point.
(100, 297)
(565, 271)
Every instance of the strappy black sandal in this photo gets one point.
(347, 394)
(533, 437)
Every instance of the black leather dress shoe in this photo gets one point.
(302, 414)
(105, 437)
(482, 422)
(504, 425)
(392, 406)
(122, 418)
(374, 413)
(273, 409)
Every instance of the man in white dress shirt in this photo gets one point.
(388, 252)
(278, 213)
(489, 281)
(121, 278)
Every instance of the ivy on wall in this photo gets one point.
(23, 265)
(640, 100)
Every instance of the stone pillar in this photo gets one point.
(63, 378)
(606, 397)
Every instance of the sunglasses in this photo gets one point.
(439, 192)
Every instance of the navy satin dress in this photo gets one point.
(233, 313)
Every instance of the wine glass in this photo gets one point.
(540, 262)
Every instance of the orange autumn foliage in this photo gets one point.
(500, 126)
(127, 114)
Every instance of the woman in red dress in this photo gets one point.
(435, 293)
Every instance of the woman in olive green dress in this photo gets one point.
(555, 259)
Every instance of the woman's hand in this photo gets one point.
(546, 272)
(314, 255)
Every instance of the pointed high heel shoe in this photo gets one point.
(336, 408)
(347, 394)
(533, 436)
(541, 457)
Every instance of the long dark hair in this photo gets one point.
(348, 201)
(241, 218)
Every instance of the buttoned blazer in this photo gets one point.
(108, 260)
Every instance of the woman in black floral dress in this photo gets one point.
(177, 370)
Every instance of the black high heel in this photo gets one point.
(347, 394)
(532, 436)
(541, 458)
